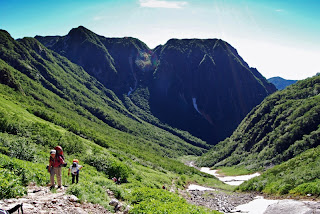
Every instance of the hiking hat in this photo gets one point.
(52, 152)
(75, 160)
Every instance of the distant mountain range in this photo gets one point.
(281, 83)
(201, 86)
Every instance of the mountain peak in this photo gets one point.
(78, 30)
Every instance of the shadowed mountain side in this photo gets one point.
(204, 87)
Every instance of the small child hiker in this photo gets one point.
(75, 168)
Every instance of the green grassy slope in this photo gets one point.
(284, 125)
(298, 176)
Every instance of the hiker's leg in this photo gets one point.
(52, 172)
(77, 178)
(58, 173)
(73, 176)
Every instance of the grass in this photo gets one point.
(233, 171)
(298, 176)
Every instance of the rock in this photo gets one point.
(127, 209)
(73, 198)
(114, 202)
(289, 206)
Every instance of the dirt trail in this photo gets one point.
(42, 200)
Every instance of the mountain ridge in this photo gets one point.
(133, 68)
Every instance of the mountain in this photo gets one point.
(117, 63)
(204, 87)
(46, 100)
(76, 92)
(281, 83)
(200, 86)
(284, 125)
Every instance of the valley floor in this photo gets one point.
(252, 203)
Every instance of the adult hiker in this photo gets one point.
(75, 169)
(55, 164)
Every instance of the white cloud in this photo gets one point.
(162, 4)
(98, 18)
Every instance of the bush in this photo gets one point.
(18, 148)
(109, 165)
(146, 200)
(10, 185)
(90, 192)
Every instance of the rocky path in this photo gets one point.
(40, 200)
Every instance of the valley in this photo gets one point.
(125, 110)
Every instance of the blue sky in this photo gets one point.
(279, 38)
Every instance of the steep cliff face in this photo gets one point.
(201, 86)
(115, 62)
(205, 87)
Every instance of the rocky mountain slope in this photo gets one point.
(200, 86)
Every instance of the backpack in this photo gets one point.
(12, 210)
(59, 151)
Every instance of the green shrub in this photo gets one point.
(90, 192)
(10, 185)
(109, 165)
(307, 188)
(147, 200)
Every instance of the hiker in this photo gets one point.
(56, 161)
(119, 181)
(114, 179)
(75, 169)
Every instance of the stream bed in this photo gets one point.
(245, 202)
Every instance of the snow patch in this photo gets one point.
(200, 188)
(257, 206)
(194, 100)
(231, 180)
(131, 90)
